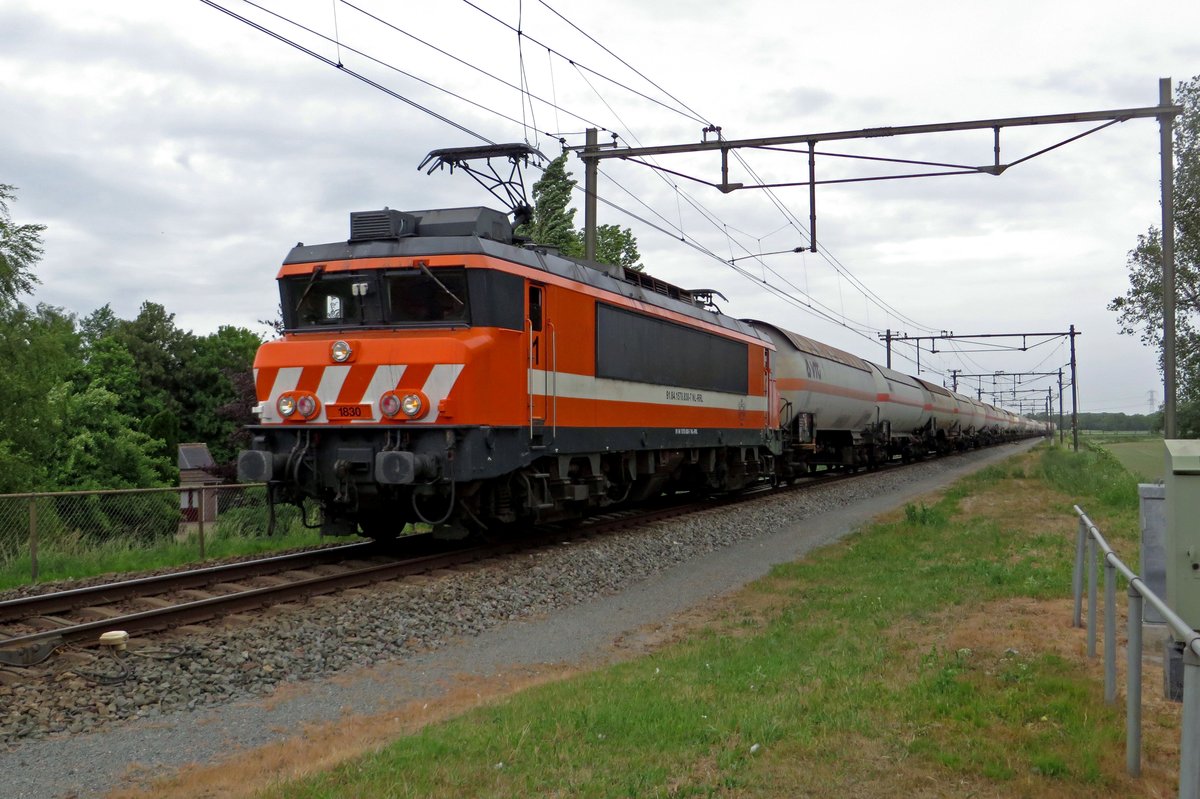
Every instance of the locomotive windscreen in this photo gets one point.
(373, 298)
(632, 346)
(424, 297)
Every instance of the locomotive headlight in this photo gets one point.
(389, 404)
(307, 405)
(413, 405)
(286, 405)
(341, 351)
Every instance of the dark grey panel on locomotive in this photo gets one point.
(485, 231)
(646, 349)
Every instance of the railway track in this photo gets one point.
(32, 628)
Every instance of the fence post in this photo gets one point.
(1077, 577)
(1189, 741)
(1133, 686)
(201, 527)
(1110, 632)
(33, 540)
(1091, 630)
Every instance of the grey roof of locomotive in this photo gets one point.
(485, 231)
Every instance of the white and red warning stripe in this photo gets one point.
(355, 384)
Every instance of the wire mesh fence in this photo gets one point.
(68, 534)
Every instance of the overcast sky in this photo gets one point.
(176, 154)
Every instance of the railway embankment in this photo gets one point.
(930, 653)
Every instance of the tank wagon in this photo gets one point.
(434, 368)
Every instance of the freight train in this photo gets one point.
(436, 368)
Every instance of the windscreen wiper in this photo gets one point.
(317, 273)
(441, 285)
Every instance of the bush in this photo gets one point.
(1091, 473)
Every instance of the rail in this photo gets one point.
(1088, 542)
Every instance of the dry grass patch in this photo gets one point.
(320, 747)
(1002, 638)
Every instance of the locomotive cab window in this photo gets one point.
(427, 297)
(535, 308)
(318, 300)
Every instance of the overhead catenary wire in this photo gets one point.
(629, 66)
(820, 309)
(812, 304)
(552, 103)
(839, 268)
(766, 285)
(326, 60)
(574, 63)
(526, 94)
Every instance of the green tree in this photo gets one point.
(62, 424)
(1139, 310)
(158, 348)
(97, 446)
(98, 324)
(208, 384)
(40, 350)
(109, 365)
(616, 245)
(553, 222)
(20, 250)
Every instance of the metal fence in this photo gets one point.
(1089, 542)
(55, 527)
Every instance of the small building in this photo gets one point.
(195, 472)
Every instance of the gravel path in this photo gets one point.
(198, 698)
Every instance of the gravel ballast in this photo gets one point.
(196, 698)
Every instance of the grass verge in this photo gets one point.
(929, 655)
(128, 556)
(1146, 459)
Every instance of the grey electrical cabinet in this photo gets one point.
(1183, 529)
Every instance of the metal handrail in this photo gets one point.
(1091, 539)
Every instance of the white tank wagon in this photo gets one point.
(840, 411)
(945, 426)
(973, 418)
(907, 407)
(830, 412)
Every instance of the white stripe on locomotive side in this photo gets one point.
(286, 380)
(386, 376)
(331, 383)
(586, 387)
(438, 386)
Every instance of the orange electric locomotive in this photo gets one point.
(433, 368)
(436, 368)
